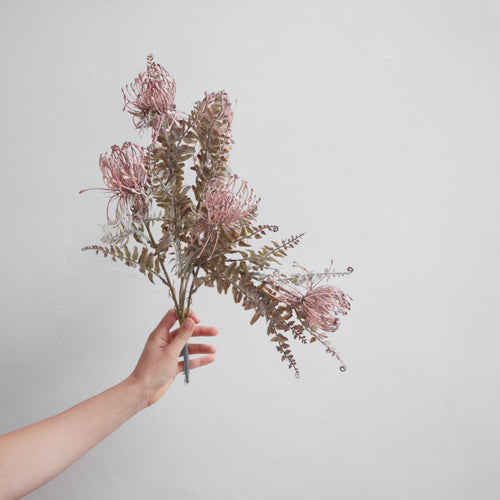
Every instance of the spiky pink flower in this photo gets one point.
(151, 99)
(124, 173)
(227, 205)
(320, 304)
(323, 304)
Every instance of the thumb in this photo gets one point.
(182, 336)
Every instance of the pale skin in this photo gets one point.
(33, 455)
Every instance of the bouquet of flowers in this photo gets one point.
(192, 233)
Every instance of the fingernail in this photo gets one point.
(188, 324)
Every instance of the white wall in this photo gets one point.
(372, 126)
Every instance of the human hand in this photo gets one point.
(158, 365)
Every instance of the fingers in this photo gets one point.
(202, 331)
(201, 349)
(170, 318)
(168, 321)
(182, 335)
(196, 363)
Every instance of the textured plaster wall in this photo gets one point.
(372, 126)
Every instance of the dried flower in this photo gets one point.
(320, 304)
(226, 206)
(151, 98)
(124, 173)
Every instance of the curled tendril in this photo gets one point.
(342, 368)
(349, 270)
(274, 229)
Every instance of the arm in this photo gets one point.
(33, 455)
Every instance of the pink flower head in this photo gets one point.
(124, 173)
(151, 98)
(227, 205)
(320, 304)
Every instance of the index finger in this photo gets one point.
(202, 331)
(168, 321)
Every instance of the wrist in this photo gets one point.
(136, 393)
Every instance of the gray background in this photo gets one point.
(372, 126)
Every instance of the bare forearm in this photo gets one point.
(31, 456)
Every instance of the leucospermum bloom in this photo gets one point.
(124, 173)
(227, 205)
(151, 99)
(321, 305)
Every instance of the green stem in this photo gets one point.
(179, 309)
(195, 275)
